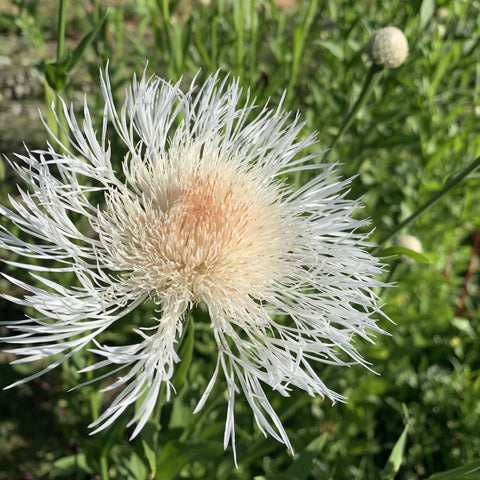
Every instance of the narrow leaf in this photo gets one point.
(280, 476)
(302, 466)
(334, 48)
(186, 353)
(151, 456)
(175, 455)
(398, 251)
(73, 462)
(457, 473)
(85, 42)
(396, 457)
(427, 10)
(149, 437)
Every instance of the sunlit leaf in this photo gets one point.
(457, 473)
(396, 457)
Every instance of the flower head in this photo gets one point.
(203, 214)
(388, 47)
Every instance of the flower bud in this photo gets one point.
(410, 242)
(388, 47)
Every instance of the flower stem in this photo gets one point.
(451, 183)
(62, 20)
(299, 40)
(239, 21)
(368, 85)
(51, 93)
(104, 466)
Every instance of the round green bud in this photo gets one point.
(388, 47)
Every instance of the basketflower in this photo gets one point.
(198, 209)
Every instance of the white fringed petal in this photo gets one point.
(203, 215)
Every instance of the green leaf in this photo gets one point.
(130, 467)
(398, 251)
(334, 48)
(31, 29)
(396, 457)
(185, 353)
(175, 455)
(73, 462)
(280, 476)
(149, 450)
(181, 40)
(2, 170)
(465, 326)
(298, 42)
(393, 140)
(56, 75)
(84, 43)
(300, 469)
(427, 10)
(458, 472)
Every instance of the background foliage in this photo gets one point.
(421, 413)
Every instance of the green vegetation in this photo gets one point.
(419, 414)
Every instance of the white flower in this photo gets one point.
(203, 214)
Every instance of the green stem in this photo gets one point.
(214, 56)
(253, 40)
(167, 35)
(454, 181)
(95, 399)
(166, 11)
(239, 22)
(389, 278)
(299, 39)
(51, 95)
(104, 466)
(62, 21)
(368, 85)
(157, 412)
